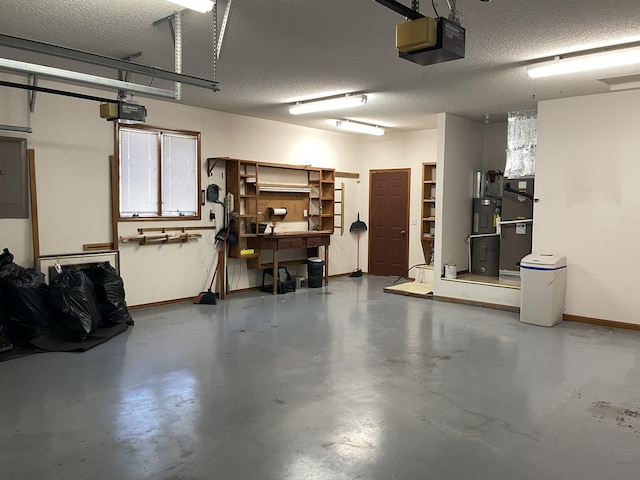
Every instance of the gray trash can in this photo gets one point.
(315, 269)
(543, 280)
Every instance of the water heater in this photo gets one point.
(485, 242)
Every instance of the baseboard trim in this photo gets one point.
(158, 304)
(601, 322)
(495, 306)
(567, 317)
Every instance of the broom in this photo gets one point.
(208, 297)
(358, 227)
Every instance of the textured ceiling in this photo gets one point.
(278, 51)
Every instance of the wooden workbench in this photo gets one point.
(289, 240)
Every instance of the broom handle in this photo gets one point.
(358, 249)
(222, 248)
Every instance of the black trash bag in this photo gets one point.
(109, 288)
(5, 257)
(3, 329)
(5, 344)
(27, 313)
(73, 298)
(9, 271)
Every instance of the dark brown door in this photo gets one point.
(389, 222)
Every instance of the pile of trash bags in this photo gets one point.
(76, 301)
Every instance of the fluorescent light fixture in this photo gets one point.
(328, 104)
(284, 189)
(359, 127)
(583, 63)
(202, 6)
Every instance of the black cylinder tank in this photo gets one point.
(485, 251)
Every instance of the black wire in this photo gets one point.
(410, 268)
(433, 4)
(508, 188)
(54, 91)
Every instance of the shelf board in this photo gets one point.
(429, 200)
(283, 187)
(429, 219)
(428, 239)
(429, 182)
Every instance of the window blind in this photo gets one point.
(179, 176)
(138, 172)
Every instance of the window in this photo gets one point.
(159, 173)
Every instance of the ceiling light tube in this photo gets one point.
(328, 104)
(584, 63)
(359, 127)
(202, 6)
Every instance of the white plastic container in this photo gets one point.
(543, 280)
(450, 271)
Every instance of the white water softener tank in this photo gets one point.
(543, 280)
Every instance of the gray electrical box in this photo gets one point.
(14, 178)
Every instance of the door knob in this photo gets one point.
(403, 232)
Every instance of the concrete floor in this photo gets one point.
(342, 382)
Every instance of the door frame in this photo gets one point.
(384, 170)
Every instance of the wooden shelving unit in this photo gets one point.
(322, 200)
(428, 213)
(312, 202)
(242, 178)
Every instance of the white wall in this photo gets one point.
(587, 169)
(587, 172)
(397, 150)
(460, 155)
(72, 146)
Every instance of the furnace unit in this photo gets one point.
(516, 225)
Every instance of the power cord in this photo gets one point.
(433, 4)
(410, 268)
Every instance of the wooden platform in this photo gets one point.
(412, 289)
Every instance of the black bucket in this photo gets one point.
(315, 269)
(251, 226)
